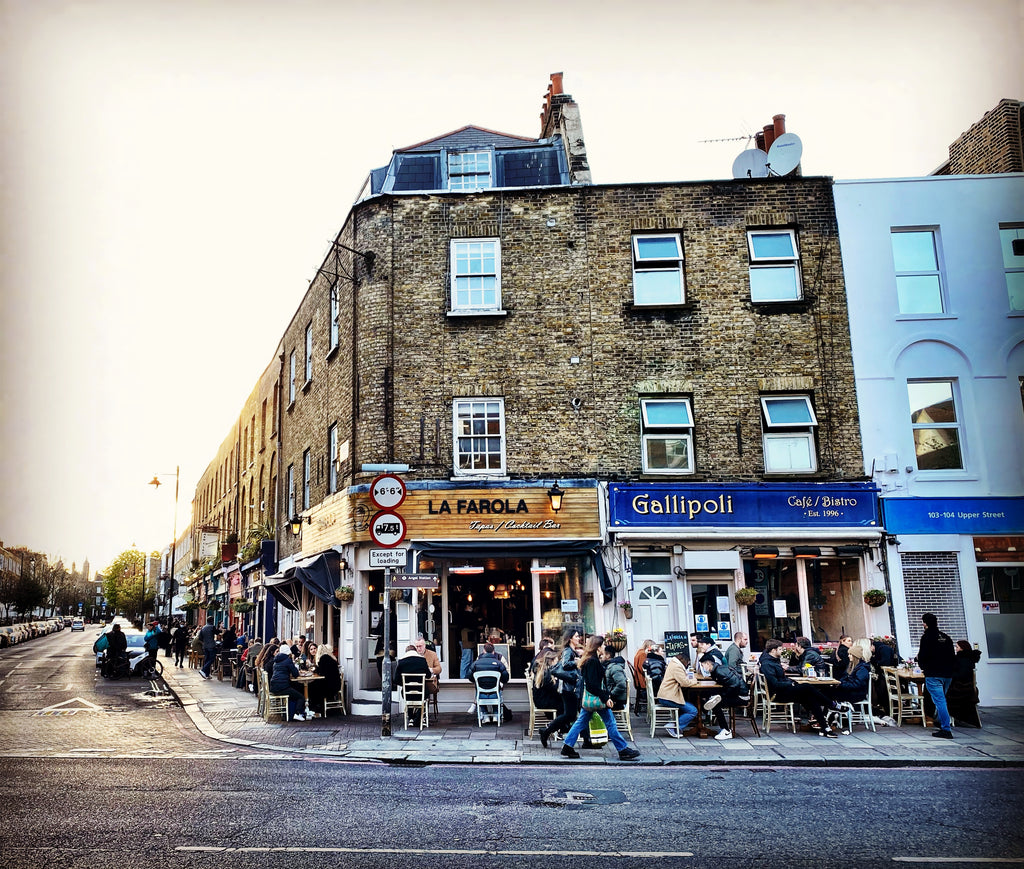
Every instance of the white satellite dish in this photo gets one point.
(784, 154)
(752, 163)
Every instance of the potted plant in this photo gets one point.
(242, 606)
(345, 593)
(745, 596)
(875, 597)
(627, 608)
(615, 639)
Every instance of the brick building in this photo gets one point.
(992, 145)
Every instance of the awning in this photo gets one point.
(320, 575)
(285, 588)
(539, 548)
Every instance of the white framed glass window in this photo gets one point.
(666, 436)
(292, 365)
(935, 422)
(469, 170)
(307, 469)
(479, 436)
(1011, 240)
(658, 270)
(289, 488)
(918, 280)
(309, 353)
(774, 265)
(335, 312)
(788, 435)
(332, 459)
(476, 274)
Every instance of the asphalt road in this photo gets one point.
(170, 800)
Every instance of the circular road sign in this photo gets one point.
(387, 491)
(387, 528)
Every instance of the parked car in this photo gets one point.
(77, 625)
(136, 648)
(22, 631)
(8, 636)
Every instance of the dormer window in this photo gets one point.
(469, 170)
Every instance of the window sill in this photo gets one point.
(638, 310)
(944, 476)
(788, 306)
(306, 385)
(495, 312)
(332, 352)
(937, 316)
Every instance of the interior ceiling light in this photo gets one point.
(547, 569)
(466, 568)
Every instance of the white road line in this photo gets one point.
(1014, 860)
(432, 852)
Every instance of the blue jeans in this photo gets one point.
(937, 686)
(687, 711)
(209, 659)
(583, 720)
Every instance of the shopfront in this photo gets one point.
(808, 551)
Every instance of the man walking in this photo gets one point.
(208, 637)
(937, 657)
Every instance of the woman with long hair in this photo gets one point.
(566, 671)
(592, 674)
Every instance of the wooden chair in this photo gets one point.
(775, 712)
(337, 701)
(660, 715)
(535, 712)
(414, 699)
(860, 713)
(622, 716)
(902, 704)
(750, 717)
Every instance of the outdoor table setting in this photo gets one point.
(704, 689)
(305, 679)
(913, 676)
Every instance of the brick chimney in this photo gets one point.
(560, 116)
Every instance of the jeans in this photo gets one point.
(583, 721)
(937, 686)
(209, 659)
(687, 711)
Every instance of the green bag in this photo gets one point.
(598, 732)
(101, 643)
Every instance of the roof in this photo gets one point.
(468, 138)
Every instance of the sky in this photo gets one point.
(172, 173)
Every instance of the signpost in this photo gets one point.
(415, 580)
(388, 557)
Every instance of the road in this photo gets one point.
(172, 798)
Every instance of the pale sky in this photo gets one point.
(171, 174)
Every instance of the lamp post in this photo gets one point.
(170, 587)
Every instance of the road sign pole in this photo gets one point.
(385, 666)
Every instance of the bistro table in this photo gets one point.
(704, 689)
(916, 677)
(304, 679)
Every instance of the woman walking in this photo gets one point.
(567, 673)
(592, 674)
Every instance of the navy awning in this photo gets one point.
(285, 588)
(321, 575)
(539, 548)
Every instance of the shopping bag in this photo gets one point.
(598, 732)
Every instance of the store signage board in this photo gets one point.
(676, 642)
(387, 529)
(388, 557)
(570, 605)
(415, 580)
(978, 516)
(387, 491)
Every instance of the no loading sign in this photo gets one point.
(387, 528)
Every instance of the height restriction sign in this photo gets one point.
(387, 528)
(387, 491)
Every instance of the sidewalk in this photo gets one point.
(229, 715)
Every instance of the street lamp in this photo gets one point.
(155, 483)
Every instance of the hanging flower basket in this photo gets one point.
(243, 606)
(627, 608)
(213, 605)
(345, 593)
(616, 641)
(875, 597)
(745, 596)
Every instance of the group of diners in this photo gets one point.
(285, 662)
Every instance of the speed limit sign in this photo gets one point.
(387, 528)
(387, 491)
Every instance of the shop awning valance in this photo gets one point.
(320, 575)
(527, 548)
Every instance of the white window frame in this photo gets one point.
(307, 474)
(466, 306)
(653, 432)
(643, 266)
(956, 425)
(461, 179)
(289, 482)
(764, 264)
(469, 446)
(902, 275)
(785, 434)
(309, 353)
(332, 458)
(1012, 264)
(335, 312)
(292, 370)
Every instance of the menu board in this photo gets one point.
(676, 642)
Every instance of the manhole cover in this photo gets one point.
(580, 799)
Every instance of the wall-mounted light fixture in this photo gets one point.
(892, 540)
(465, 568)
(850, 551)
(765, 552)
(295, 523)
(806, 551)
(547, 569)
(555, 496)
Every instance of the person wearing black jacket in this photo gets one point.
(936, 658)
(785, 690)
(962, 696)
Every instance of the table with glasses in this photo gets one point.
(304, 679)
(915, 677)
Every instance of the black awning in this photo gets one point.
(321, 576)
(285, 588)
(540, 548)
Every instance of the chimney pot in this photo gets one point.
(769, 136)
(556, 83)
(759, 141)
(780, 124)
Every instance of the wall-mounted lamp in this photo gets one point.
(765, 552)
(466, 569)
(806, 551)
(342, 564)
(891, 540)
(295, 523)
(555, 496)
(850, 551)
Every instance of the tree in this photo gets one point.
(127, 586)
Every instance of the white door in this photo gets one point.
(652, 604)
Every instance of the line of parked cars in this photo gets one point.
(11, 635)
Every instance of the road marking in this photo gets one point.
(432, 852)
(1017, 860)
(68, 706)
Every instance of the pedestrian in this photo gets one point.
(937, 657)
(567, 673)
(208, 639)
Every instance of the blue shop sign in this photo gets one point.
(743, 505)
(981, 516)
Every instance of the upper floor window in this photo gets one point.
(332, 459)
(934, 420)
(309, 353)
(667, 436)
(476, 274)
(774, 265)
(918, 281)
(658, 270)
(1011, 239)
(307, 473)
(335, 312)
(469, 170)
(292, 372)
(289, 489)
(479, 436)
(788, 435)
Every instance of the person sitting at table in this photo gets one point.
(840, 660)
(247, 672)
(734, 690)
(785, 690)
(322, 689)
(808, 655)
(411, 663)
(734, 654)
(265, 659)
(677, 677)
(638, 669)
(307, 657)
(853, 686)
(962, 697)
(281, 683)
(654, 668)
(433, 661)
(706, 649)
(544, 685)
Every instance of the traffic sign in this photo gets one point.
(414, 580)
(387, 528)
(388, 557)
(387, 491)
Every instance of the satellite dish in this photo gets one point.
(784, 154)
(752, 163)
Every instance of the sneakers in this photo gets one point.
(629, 754)
(712, 702)
(943, 734)
(298, 716)
(570, 752)
(833, 718)
(671, 731)
(724, 733)
(829, 732)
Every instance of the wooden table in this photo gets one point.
(909, 677)
(304, 680)
(708, 687)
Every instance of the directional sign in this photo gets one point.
(387, 528)
(388, 557)
(414, 580)
(387, 491)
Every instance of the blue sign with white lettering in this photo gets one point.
(954, 515)
(743, 505)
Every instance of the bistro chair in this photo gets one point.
(660, 715)
(535, 713)
(622, 716)
(337, 701)
(902, 704)
(750, 717)
(261, 691)
(775, 712)
(641, 690)
(861, 713)
(488, 697)
(414, 698)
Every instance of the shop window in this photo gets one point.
(774, 265)
(667, 438)
(479, 437)
(658, 277)
(935, 423)
(789, 424)
(835, 598)
(1002, 605)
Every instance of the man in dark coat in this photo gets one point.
(936, 657)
